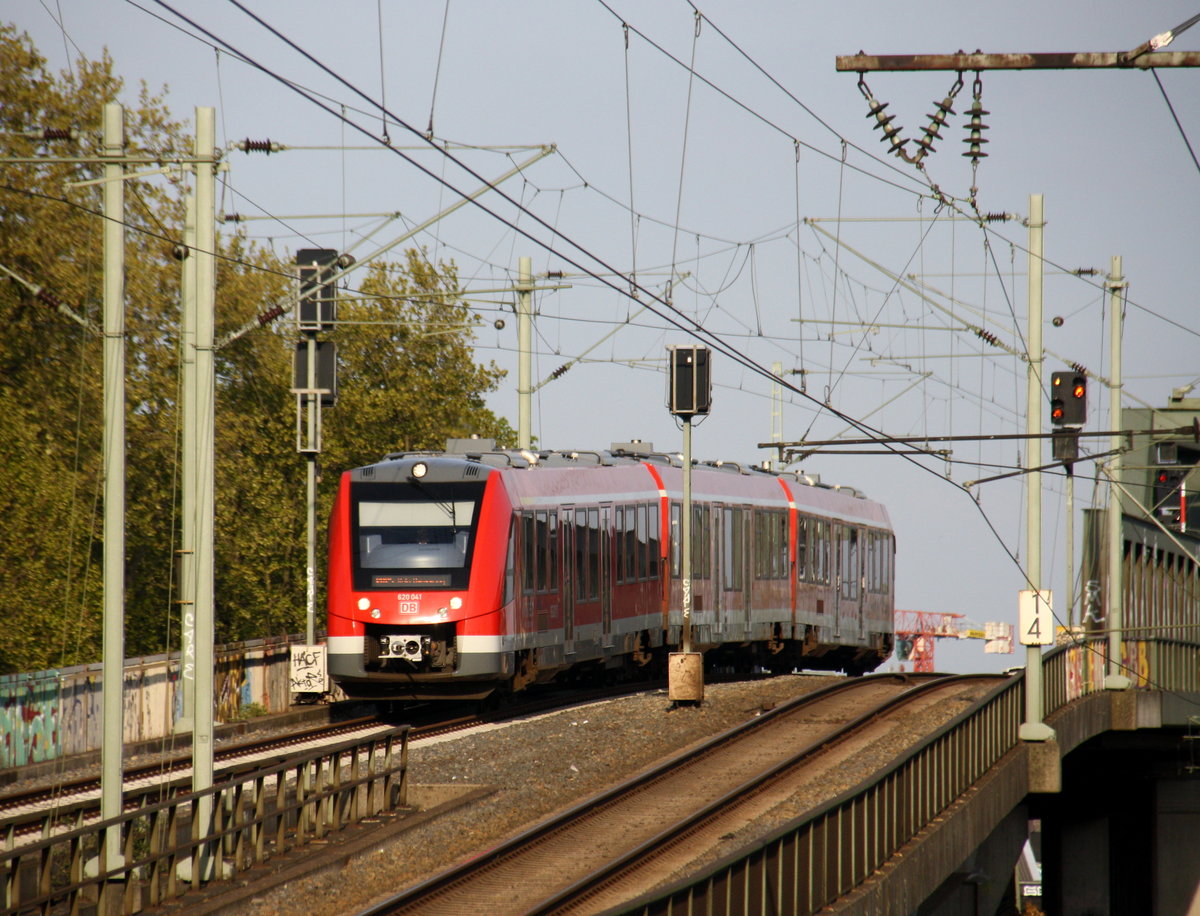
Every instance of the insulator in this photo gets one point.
(876, 107)
(996, 217)
(560, 371)
(259, 146)
(270, 314)
(232, 217)
(57, 133)
(883, 121)
(1079, 367)
(988, 336)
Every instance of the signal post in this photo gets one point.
(690, 394)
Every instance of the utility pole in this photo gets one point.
(203, 480)
(1033, 728)
(777, 409)
(113, 684)
(187, 529)
(525, 387)
(1115, 680)
(1070, 471)
(525, 346)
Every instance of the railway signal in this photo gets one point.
(690, 393)
(1068, 399)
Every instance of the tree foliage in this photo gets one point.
(408, 380)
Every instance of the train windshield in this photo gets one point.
(414, 537)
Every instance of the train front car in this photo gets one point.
(415, 593)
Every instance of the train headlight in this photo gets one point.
(375, 612)
(420, 469)
(364, 603)
(455, 603)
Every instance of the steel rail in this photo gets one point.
(615, 870)
(428, 890)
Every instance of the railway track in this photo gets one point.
(78, 797)
(655, 826)
(74, 797)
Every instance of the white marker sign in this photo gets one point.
(1035, 618)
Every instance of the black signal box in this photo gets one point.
(1068, 399)
(691, 382)
(326, 370)
(318, 296)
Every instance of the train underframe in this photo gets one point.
(429, 662)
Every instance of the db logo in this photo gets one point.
(409, 607)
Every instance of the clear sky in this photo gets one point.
(712, 179)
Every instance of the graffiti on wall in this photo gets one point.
(308, 669)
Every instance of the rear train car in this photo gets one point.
(460, 573)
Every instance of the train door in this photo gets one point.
(720, 557)
(606, 575)
(835, 577)
(746, 566)
(568, 578)
(850, 573)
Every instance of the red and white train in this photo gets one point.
(455, 574)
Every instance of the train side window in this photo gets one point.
(801, 548)
(761, 550)
(631, 544)
(850, 569)
(582, 581)
(552, 550)
(594, 552)
(654, 542)
(701, 541)
(643, 541)
(779, 546)
(869, 557)
(823, 546)
(528, 553)
(618, 524)
(732, 549)
(510, 564)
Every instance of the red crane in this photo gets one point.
(916, 632)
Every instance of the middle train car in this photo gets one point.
(454, 574)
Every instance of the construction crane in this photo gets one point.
(916, 632)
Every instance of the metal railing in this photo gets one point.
(812, 861)
(180, 843)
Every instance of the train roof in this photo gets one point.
(716, 478)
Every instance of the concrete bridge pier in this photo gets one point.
(1124, 834)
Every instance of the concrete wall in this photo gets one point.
(49, 714)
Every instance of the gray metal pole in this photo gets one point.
(187, 528)
(1116, 548)
(1033, 729)
(314, 431)
(202, 746)
(686, 540)
(1071, 551)
(112, 686)
(525, 346)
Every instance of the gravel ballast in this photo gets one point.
(535, 767)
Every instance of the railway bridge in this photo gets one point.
(935, 831)
(939, 831)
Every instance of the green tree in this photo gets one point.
(409, 380)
